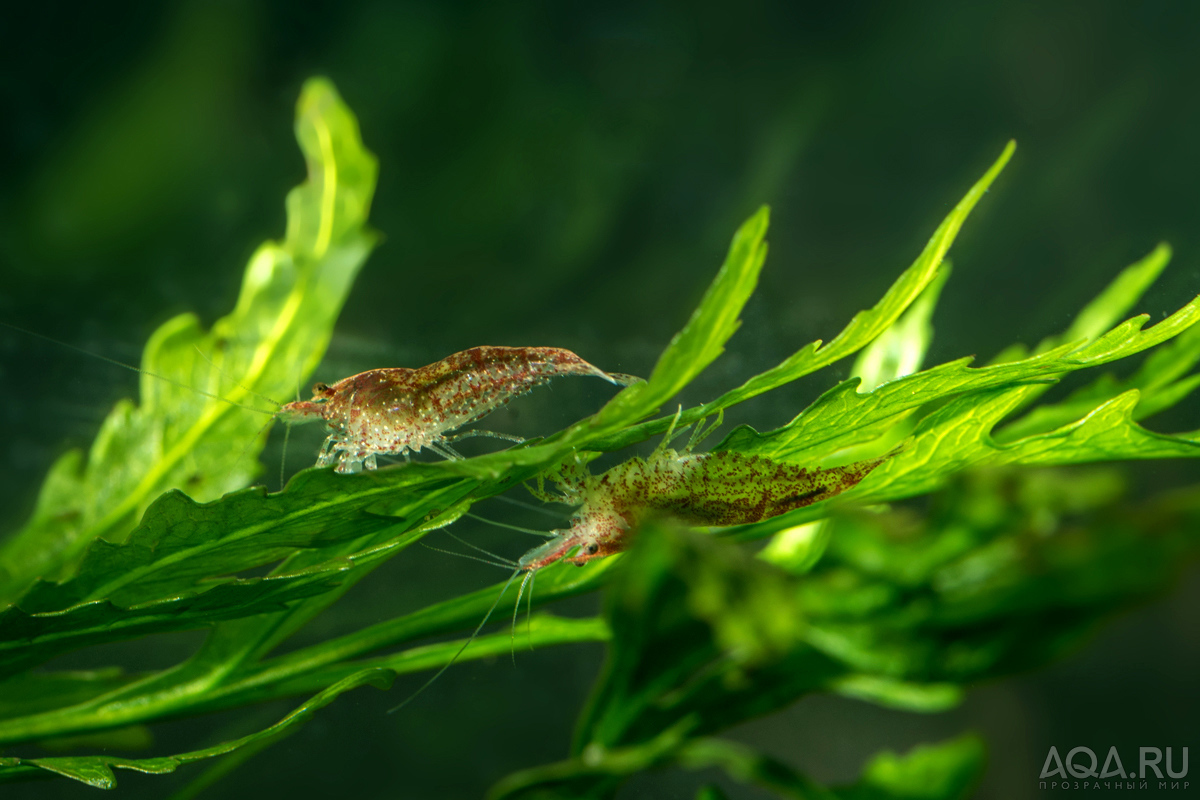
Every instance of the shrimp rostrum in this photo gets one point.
(398, 411)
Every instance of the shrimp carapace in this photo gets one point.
(396, 411)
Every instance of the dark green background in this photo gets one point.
(570, 174)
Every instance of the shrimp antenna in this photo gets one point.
(479, 549)
(470, 557)
(543, 534)
(517, 610)
(529, 609)
(250, 442)
(287, 434)
(229, 377)
(530, 506)
(466, 644)
(132, 368)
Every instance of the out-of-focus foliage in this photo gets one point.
(870, 604)
(1009, 570)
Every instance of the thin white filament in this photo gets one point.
(540, 509)
(287, 432)
(519, 529)
(235, 382)
(467, 556)
(517, 610)
(466, 644)
(479, 549)
(138, 370)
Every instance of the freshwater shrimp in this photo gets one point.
(714, 489)
(395, 411)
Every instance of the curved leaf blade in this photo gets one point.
(291, 295)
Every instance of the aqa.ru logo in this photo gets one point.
(1081, 763)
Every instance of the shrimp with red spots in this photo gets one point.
(397, 411)
(718, 488)
(712, 489)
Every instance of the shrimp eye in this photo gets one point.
(320, 388)
(591, 549)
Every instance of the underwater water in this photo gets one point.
(570, 176)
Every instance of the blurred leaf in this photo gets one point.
(32, 692)
(133, 159)
(946, 771)
(216, 678)
(97, 771)
(703, 637)
(798, 548)
(902, 611)
(925, 698)
(599, 773)
(746, 765)
(291, 296)
(1009, 571)
(134, 737)
(692, 619)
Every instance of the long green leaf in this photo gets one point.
(291, 295)
(178, 568)
(213, 679)
(843, 414)
(98, 770)
(900, 350)
(862, 329)
(866, 325)
(697, 345)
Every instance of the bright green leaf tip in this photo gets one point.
(701, 341)
(1120, 296)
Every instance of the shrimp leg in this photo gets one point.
(445, 451)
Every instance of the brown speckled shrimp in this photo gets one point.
(396, 411)
(722, 488)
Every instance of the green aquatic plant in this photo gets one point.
(1018, 557)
